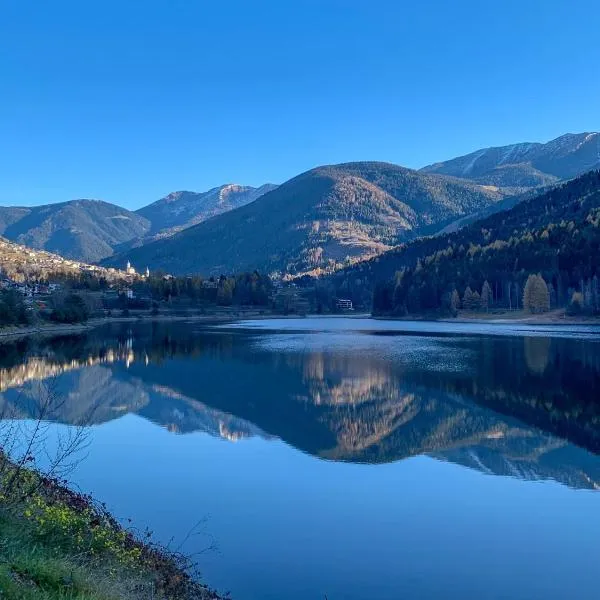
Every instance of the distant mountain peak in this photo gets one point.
(225, 191)
(182, 209)
(526, 165)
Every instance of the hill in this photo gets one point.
(526, 165)
(556, 234)
(85, 230)
(319, 221)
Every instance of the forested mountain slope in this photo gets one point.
(85, 230)
(319, 221)
(556, 234)
(91, 230)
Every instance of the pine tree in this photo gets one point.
(468, 299)
(455, 301)
(486, 296)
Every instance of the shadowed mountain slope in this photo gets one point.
(319, 221)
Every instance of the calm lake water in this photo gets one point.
(352, 458)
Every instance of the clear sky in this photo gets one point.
(128, 100)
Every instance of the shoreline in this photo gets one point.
(62, 543)
(556, 318)
(10, 333)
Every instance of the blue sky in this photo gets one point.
(127, 101)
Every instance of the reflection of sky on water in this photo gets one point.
(289, 526)
(333, 324)
(520, 522)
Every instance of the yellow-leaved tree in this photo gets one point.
(536, 296)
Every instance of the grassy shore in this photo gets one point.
(553, 317)
(45, 328)
(56, 544)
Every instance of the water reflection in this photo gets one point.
(518, 406)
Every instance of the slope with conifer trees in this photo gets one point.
(318, 222)
(555, 237)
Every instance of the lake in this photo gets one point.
(339, 457)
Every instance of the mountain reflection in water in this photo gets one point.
(515, 406)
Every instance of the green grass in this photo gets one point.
(57, 545)
(41, 566)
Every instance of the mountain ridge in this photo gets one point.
(190, 208)
(91, 230)
(526, 164)
(324, 217)
(349, 212)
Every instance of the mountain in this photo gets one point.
(319, 221)
(526, 165)
(179, 210)
(522, 170)
(556, 234)
(91, 230)
(84, 230)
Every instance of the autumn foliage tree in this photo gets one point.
(556, 235)
(536, 296)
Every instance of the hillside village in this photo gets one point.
(38, 275)
(22, 264)
(36, 284)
